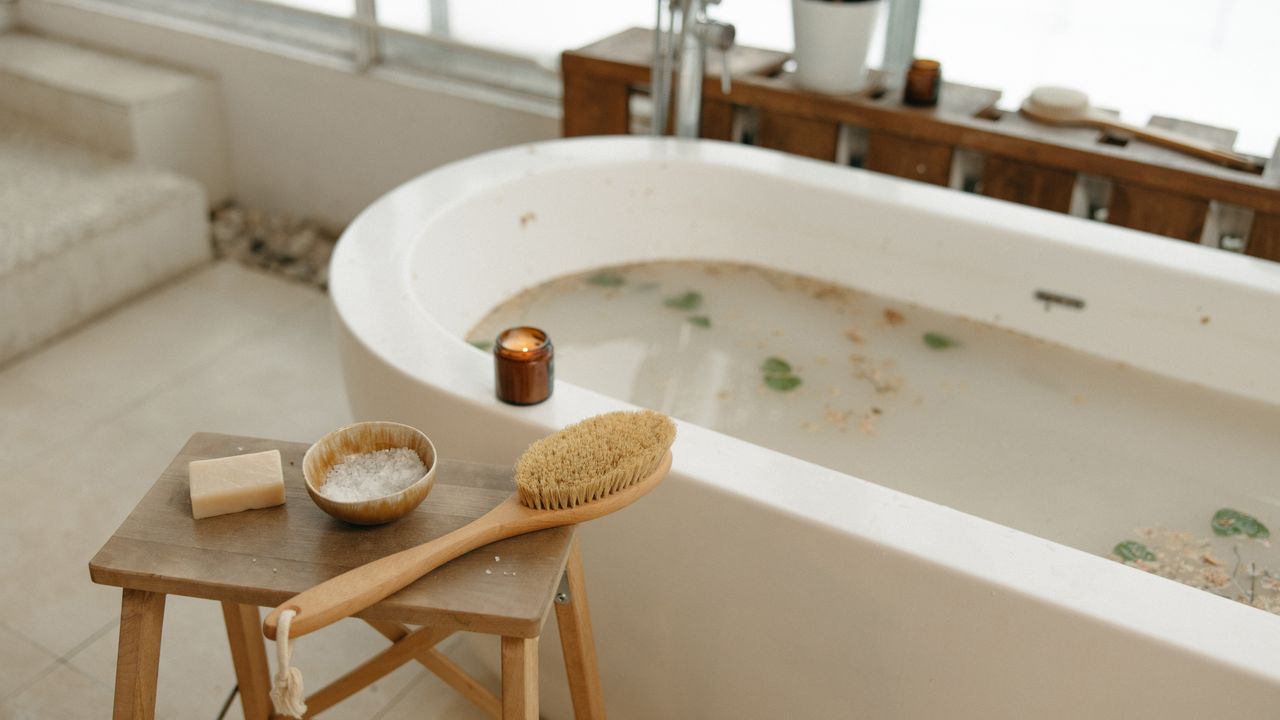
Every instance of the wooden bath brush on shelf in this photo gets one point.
(580, 473)
(1071, 108)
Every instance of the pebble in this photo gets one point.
(295, 249)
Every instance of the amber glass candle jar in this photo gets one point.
(523, 366)
(924, 82)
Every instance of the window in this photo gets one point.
(340, 8)
(536, 29)
(542, 29)
(1210, 61)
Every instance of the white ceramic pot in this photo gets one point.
(832, 39)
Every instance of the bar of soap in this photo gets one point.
(233, 484)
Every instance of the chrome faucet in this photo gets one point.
(696, 32)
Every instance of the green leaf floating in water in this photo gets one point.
(701, 321)
(938, 341)
(691, 300)
(1131, 550)
(776, 366)
(782, 383)
(1233, 522)
(482, 344)
(778, 375)
(607, 278)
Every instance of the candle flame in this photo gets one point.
(519, 340)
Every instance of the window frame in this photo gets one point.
(360, 44)
(355, 43)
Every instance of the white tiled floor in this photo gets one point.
(87, 424)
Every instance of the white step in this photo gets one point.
(154, 116)
(81, 232)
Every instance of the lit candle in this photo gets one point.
(924, 82)
(523, 366)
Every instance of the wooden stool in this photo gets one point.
(264, 557)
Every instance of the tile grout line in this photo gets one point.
(404, 692)
(106, 315)
(149, 295)
(93, 637)
(265, 330)
(186, 373)
(48, 669)
(92, 419)
(28, 638)
(63, 660)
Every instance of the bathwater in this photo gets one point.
(1036, 436)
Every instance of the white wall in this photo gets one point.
(306, 137)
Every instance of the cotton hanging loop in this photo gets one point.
(286, 692)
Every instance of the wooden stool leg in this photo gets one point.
(249, 656)
(138, 657)
(574, 618)
(519, 678)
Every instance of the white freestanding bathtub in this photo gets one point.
(756, 585)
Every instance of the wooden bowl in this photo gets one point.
(368, 437)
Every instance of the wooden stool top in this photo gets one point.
(264, 557)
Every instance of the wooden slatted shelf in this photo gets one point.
(1151, 188)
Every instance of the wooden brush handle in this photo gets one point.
(361, 587)
(357, 589)
(1193, 146)
(1179, 142)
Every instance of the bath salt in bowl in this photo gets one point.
(370, 473)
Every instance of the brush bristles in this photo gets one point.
(594, 458)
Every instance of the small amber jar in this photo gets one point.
(523, 366)
(924, 82)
